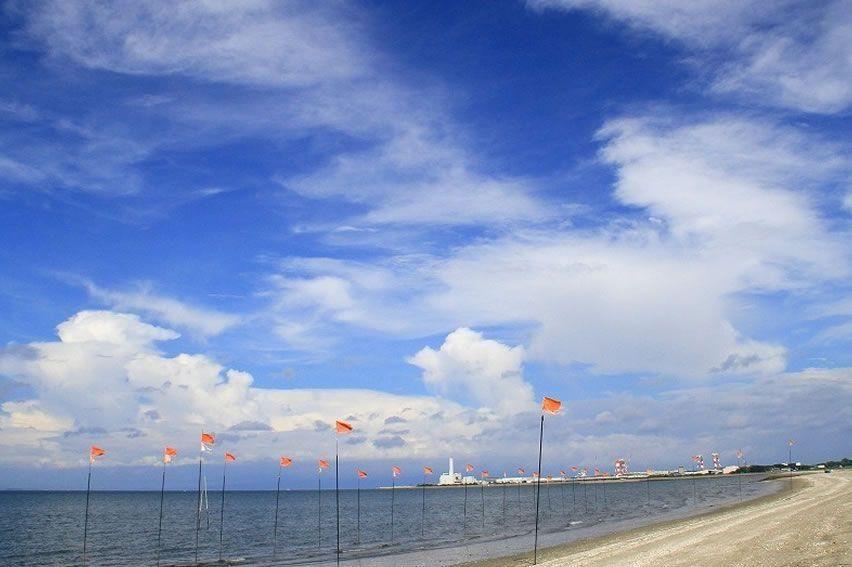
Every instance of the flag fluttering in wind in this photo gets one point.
(716, 462)
(168, 454)
(207, 442)
(229, 457)
(396, 471)
(427, 470)
(484, 474)
(791, 442)
(342, 427)
(322, 464)
(283, 462)
(521, 471)
(468, 468)
(551, 405)
(574, 468)
(95, 452)
(362, 474)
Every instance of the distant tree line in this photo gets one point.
(841, 464)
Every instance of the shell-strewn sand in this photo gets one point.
(811, 525)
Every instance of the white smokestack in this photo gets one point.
(451, 466)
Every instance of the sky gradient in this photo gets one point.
(421, 217)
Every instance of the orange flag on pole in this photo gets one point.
(484, 474)
(396, 470)
(229, 457)
(468, 468)
(521, 471)
(285, 461)
(168, 454)
(95, 452)
(362, 474)
(342, 427)
(427, 470)
(550, 405)
(322, 464)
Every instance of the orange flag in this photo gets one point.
(342, 427)
(561, 473)
(535, 474)
(285, 461)
(208, 438)
(521, 471)
(550, 405)
(230, 458)
(427, 470)
(484, 474)
(95, 452)
(396, 470)
(168, 454)
(362, 474)
(574, 469)
(468, 468)
(323, 464)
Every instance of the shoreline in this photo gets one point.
(651, 537)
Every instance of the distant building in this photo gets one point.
(450, 477)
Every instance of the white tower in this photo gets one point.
(451, 466)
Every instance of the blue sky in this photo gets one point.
(423, 216)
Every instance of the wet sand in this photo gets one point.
(809, 525)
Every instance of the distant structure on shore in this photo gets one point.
(451, 477)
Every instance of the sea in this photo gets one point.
(406, 526)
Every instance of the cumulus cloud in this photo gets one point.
(486, 371)
(789, 54)
(105, 379)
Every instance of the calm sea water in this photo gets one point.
(46, 528)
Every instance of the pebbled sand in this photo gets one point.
(808, 526)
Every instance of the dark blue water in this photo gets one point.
(46, 528)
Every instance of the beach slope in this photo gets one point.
(810, 525)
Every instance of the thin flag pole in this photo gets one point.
(464, 521)
(222, 511)
(198, 512)
(423, 508)
(482, 492)
(538, 490)
(275, 528)
(504, 498)
(160, 525)
(86, 520)
(319, 507)
(358, 508)
(790, 461)
(562, 492)
(337, 492)
(393, 500)
(573, 494)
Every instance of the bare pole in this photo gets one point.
(319, 508)
(86, 520)
(393, 501)
(160, 525)
(222, 511)
(275, 529)
(358, 506)
(198, 511)
(482, 492)
(337, 492)
(464, 521)
(538, 490)
(423, 508)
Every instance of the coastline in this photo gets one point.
(686, 540)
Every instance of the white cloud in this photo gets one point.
(256, 42)
(789, 54)
(486, 371)
(735, 204)
(105, 381)
(203, 321)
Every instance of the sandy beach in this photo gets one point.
(809, 525)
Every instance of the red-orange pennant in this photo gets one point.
(362, 474)
(342, 427)
(230, 458)
(95, 452)
(285, 461)
(396, 470)
(208, 438)
(323, 464)
(468, 468)
(484, 474)
(521, 471)
(427, 470)
(550, 405)
(168, 454)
